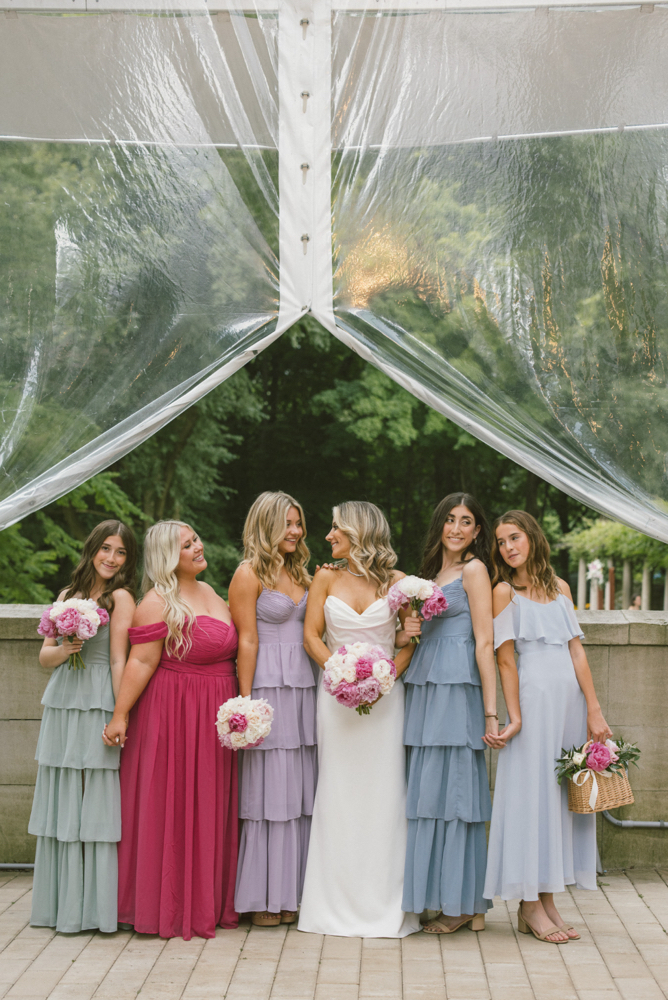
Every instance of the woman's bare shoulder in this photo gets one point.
(475, 569)
(501, 597)
(149, 611)
(123, 599)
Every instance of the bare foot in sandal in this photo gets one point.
(266, 919)
(533, 919)
(547, 899)
(443, 924)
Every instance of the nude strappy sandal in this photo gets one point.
(439, 926)
(525, 928)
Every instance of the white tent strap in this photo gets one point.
(304, 86)
(353, 6)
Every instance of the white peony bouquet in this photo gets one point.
(244, 722)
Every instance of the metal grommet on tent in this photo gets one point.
(304, 23)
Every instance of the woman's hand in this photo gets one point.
(115, 731)
(412, 626)
(327, 566)
(598, 729)
(507, 733)
(491, 737)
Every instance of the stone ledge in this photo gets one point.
(20, 621)
(624, 628)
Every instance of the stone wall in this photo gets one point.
(628, 653)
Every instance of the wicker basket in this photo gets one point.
(612, 792)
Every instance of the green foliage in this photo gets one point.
(610, 539)
(22, 569)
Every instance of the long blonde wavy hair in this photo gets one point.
(367, 529)
(162, 551)
(264, 530)
(539, 568)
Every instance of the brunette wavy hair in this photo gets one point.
(432, 557)
(264, 530)
(83, 577)
(538, 566)
(367, 529)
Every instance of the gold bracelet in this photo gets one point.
(492, 715)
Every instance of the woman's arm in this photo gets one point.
(119, 644)
(505, 659)
(478, 587)
(51, 654)
(314, 623)
(140, 667)
(245, 589)
(597, 728)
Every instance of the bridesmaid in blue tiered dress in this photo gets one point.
(450, 714)
(268, 604)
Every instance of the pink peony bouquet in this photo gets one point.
(579, 764)
(244, 722)
(73, 617)
(421, 595)
(357, 674)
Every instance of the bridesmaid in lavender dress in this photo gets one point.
(268, 604)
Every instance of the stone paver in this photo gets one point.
(622, 955)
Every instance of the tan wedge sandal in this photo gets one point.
(266, 919)
(288, 916)
(440, 926)
(525, 928)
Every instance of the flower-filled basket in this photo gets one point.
(597, 775)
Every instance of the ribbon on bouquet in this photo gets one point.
(584, 776)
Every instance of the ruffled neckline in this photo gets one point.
(518, 621)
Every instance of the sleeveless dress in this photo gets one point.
(178, 855)
(535, 844)
(278, 778)
(448, 790)
(355, 867)
(76, 811)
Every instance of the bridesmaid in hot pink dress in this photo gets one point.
(177, 857)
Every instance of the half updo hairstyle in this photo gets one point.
(162, 551)
(264, 531)
(432, 558)
(368, 532)
(83, 577)
(538, 566)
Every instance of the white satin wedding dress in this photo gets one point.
(357, 850)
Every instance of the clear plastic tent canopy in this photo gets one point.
(472, 196)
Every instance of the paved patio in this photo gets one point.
(623, 954)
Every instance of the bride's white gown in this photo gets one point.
(357, 850)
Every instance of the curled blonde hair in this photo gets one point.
(264, 531)
(539, 568)
(162, 551)
(367, 529)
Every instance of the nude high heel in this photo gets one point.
(439, 926)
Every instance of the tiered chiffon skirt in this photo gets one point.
(76, 813)
(278, 778)
(448, 800)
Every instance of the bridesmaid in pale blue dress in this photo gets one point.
(450, 708)
(268, 604)
(536, 846)
(76, 812)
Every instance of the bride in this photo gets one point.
(355, 867)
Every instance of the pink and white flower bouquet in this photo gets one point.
(357, 674)
(73, 617)
(421, 595)
(244, 722)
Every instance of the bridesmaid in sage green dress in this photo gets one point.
(76, 813)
